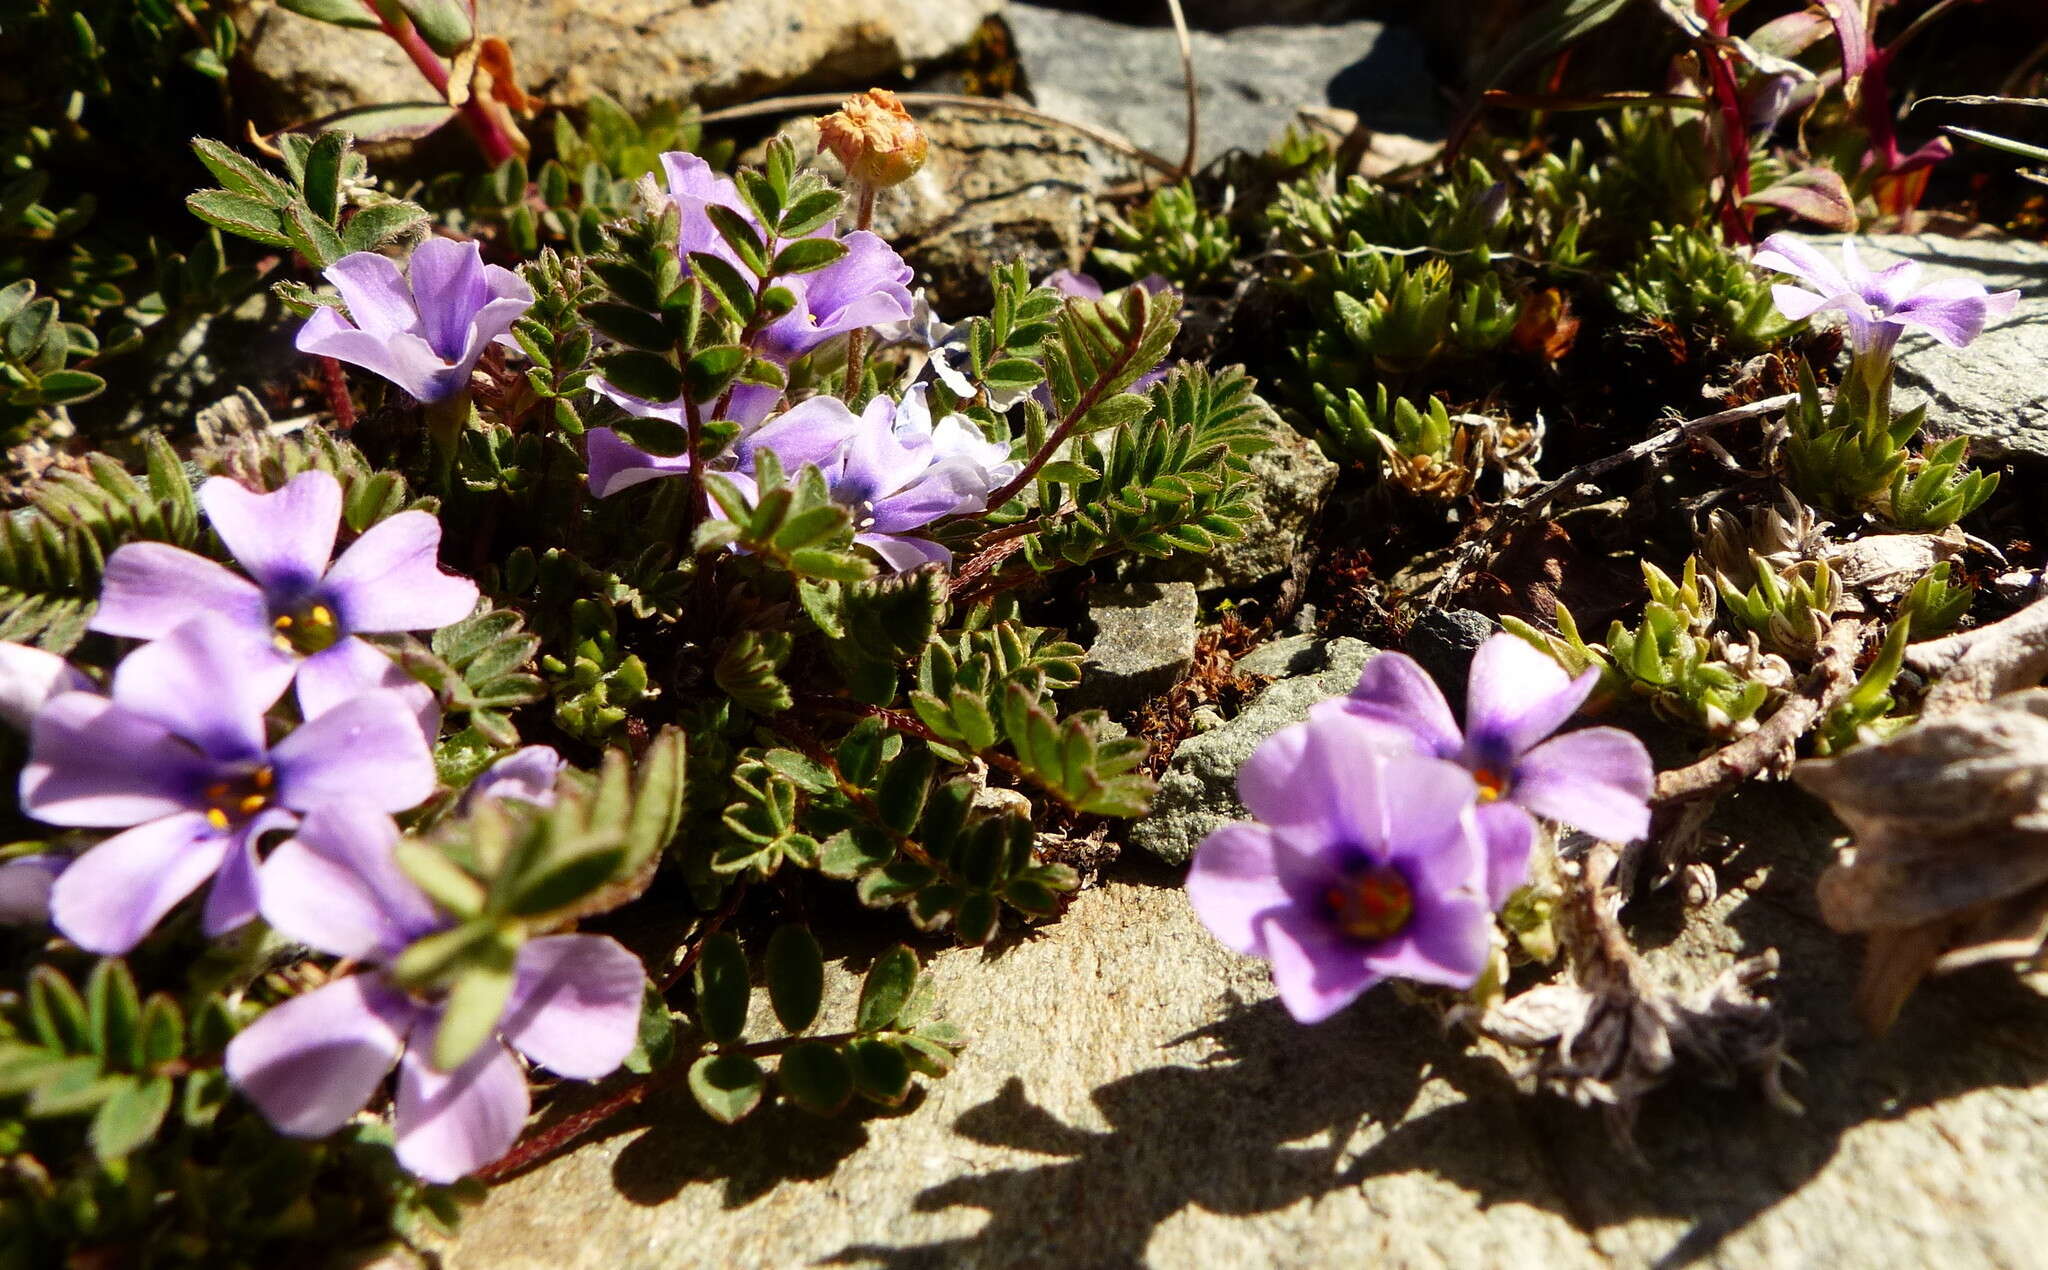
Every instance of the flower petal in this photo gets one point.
(94, 764)
(1233, 881)
(209, 681)
(1954, 310)
(152, 588)
(904, 552)
(403, 358)
(284, 538)
(450, 1124)
(390, 579)
(367, 751)
(1517, 695)
(1789, 253)
(335, 885)
(311, 1063)
(575, 1006)
(29, 677)
(1509, 833)
(1316, 970)
(25, 883)
(616, 464)
(1598, 780)
(378, 296)
(1798, 303)
(1427, 828)
(815, 430)
(448, 289)
(232, 900)
(1393, 689)
(526, 775)
(351, 667)
(116, 893)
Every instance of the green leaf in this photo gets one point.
(888, 985)
(880, 1070)
(239, 174)
(322, 180)
(240, 215)
(815, 1077)
(656, 1044)
(742, 237)
(311, 235)
(392, 121)
(709, 372)
(349, 13)
(808, 254)
(444, 24)
(796, 976)
(130, 1117)
(372, 227)
(56, 1012)
(722, 987)
(163, 1030)
(476, 1004)
(727, 1086)
(115, 1010)
(646, 375)
(62, 387)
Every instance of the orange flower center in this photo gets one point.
(1372, 905)
(231, 802)
(1491, 784)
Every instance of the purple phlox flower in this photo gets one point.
(870, 284)
(1362, 864)
(1595, 779)
(25, 883)
(1879, 306)
(526, 775)
(312, 1063)
(892, 465)
(616, 464)
(308, 611)
(425, 329)
(29, 677)
(942, 347)
(178, 756)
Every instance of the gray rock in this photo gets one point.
(1442, 642)
(1132, 1095)
(637, 51)
(1144, 642)
(1292, 482)
(1250, 81)
(992, 190)
(1292, 655)
(1992, 391)
(1198, 790)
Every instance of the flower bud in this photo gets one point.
(874, 138)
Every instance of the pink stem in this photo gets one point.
(483, 126)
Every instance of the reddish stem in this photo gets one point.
(1728, 99)
(483, 126)
(336, 387)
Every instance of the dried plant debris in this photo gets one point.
(1948, 865)
(1612, 1034)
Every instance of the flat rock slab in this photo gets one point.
(1994, 390)
(1249, 82)
(1133, 1096)
(1144, 641)
(636, 51)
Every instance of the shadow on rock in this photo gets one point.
(776, 1144)
(1258, 1126)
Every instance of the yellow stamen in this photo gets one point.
(284, 622)
(264, 778)
(216, 817)
(252, 804)
(1491, 784)
(322, 615)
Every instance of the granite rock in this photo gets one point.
(637, 51)
(1132, 1095)
(1198, 790)
(1144, 642)
(1249, 81)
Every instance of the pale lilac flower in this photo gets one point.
(867, 286)
(423, 330)
(307, 610)
(29, 677)
(895, 468)
(526, 775)
(315, 1061)
(1596, 779)
(25, 883)
(617, 464)
(941, 346)
(178, 755)
(1363, 864)
(1879, 306)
